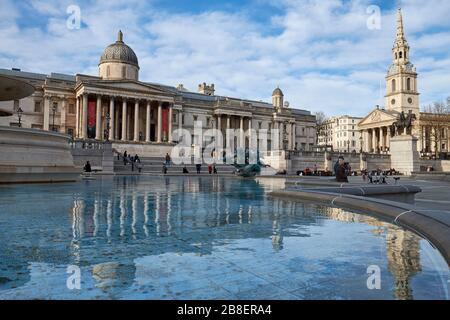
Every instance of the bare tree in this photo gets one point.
(436, 120)
(321, 129)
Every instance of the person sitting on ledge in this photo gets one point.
(164, 168)
(87, 167)
(341, 171)
(185, 170)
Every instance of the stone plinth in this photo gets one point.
(28, 155)
(404, 155)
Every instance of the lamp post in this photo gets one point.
(108, 118)
(19, 115)
(348, 146)
(53, 120)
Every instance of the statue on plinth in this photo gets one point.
(404, 123)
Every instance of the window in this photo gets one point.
(408, 84)
(71, 108)
(124, 72)
(207, 122)
(38, 106)
(393, 85)
(401, 54)
(182, 119)
(108, 71)
(55, 106)
(70, 131)
(194, 118)
(259, 125)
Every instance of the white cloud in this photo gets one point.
(323, 57)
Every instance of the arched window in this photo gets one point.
(108, 71)
(408, 84)
(124, 72)
(393, 85)
(401, 54)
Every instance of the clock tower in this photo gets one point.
(401, 79)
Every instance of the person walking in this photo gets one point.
(167, 159)
(198, 166)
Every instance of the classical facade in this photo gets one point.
(136, 112)
(402, 99)
(341, 133)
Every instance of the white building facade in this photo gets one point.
(116, 103)
(341, 134)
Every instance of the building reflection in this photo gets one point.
(136, 209)
(402, 249)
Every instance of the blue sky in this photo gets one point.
(321, 53)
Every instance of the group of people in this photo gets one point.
(134, 161)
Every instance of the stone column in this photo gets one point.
(382, 139)
(276, 140)
(169, 136)
(111, 120)
(180, 121)
(374, 140)
(124, 119)
(77, 118)
(46, 125)
(98, 119)
(85, 117)
(147, 121)
(388, 139)
(241, 133)
(116, 123)
(136, 121)
(294, 135)
(62, 128)
(159, 135)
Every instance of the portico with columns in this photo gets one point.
(137, 112)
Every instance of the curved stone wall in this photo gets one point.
(29, 155)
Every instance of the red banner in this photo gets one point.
(165, 123)
(91, 114)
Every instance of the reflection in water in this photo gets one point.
(402, 248)
(129, 229)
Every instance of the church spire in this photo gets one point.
(401, 47)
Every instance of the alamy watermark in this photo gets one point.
(73, 281)
(73, 21)
(374, 279)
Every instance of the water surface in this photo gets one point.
(201, 238)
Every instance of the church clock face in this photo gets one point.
(410, 100)
(393, 101)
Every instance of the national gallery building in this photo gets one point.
(140, 113)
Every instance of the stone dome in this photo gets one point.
(119, 52)
(277, 92)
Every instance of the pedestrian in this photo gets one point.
(167, 159)
(164, 168)
(341, 170)
(214, 169)
(210, 169)
(136, 159)
(185, 170)
(87, 167)
(125, 157)
(198, 166)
